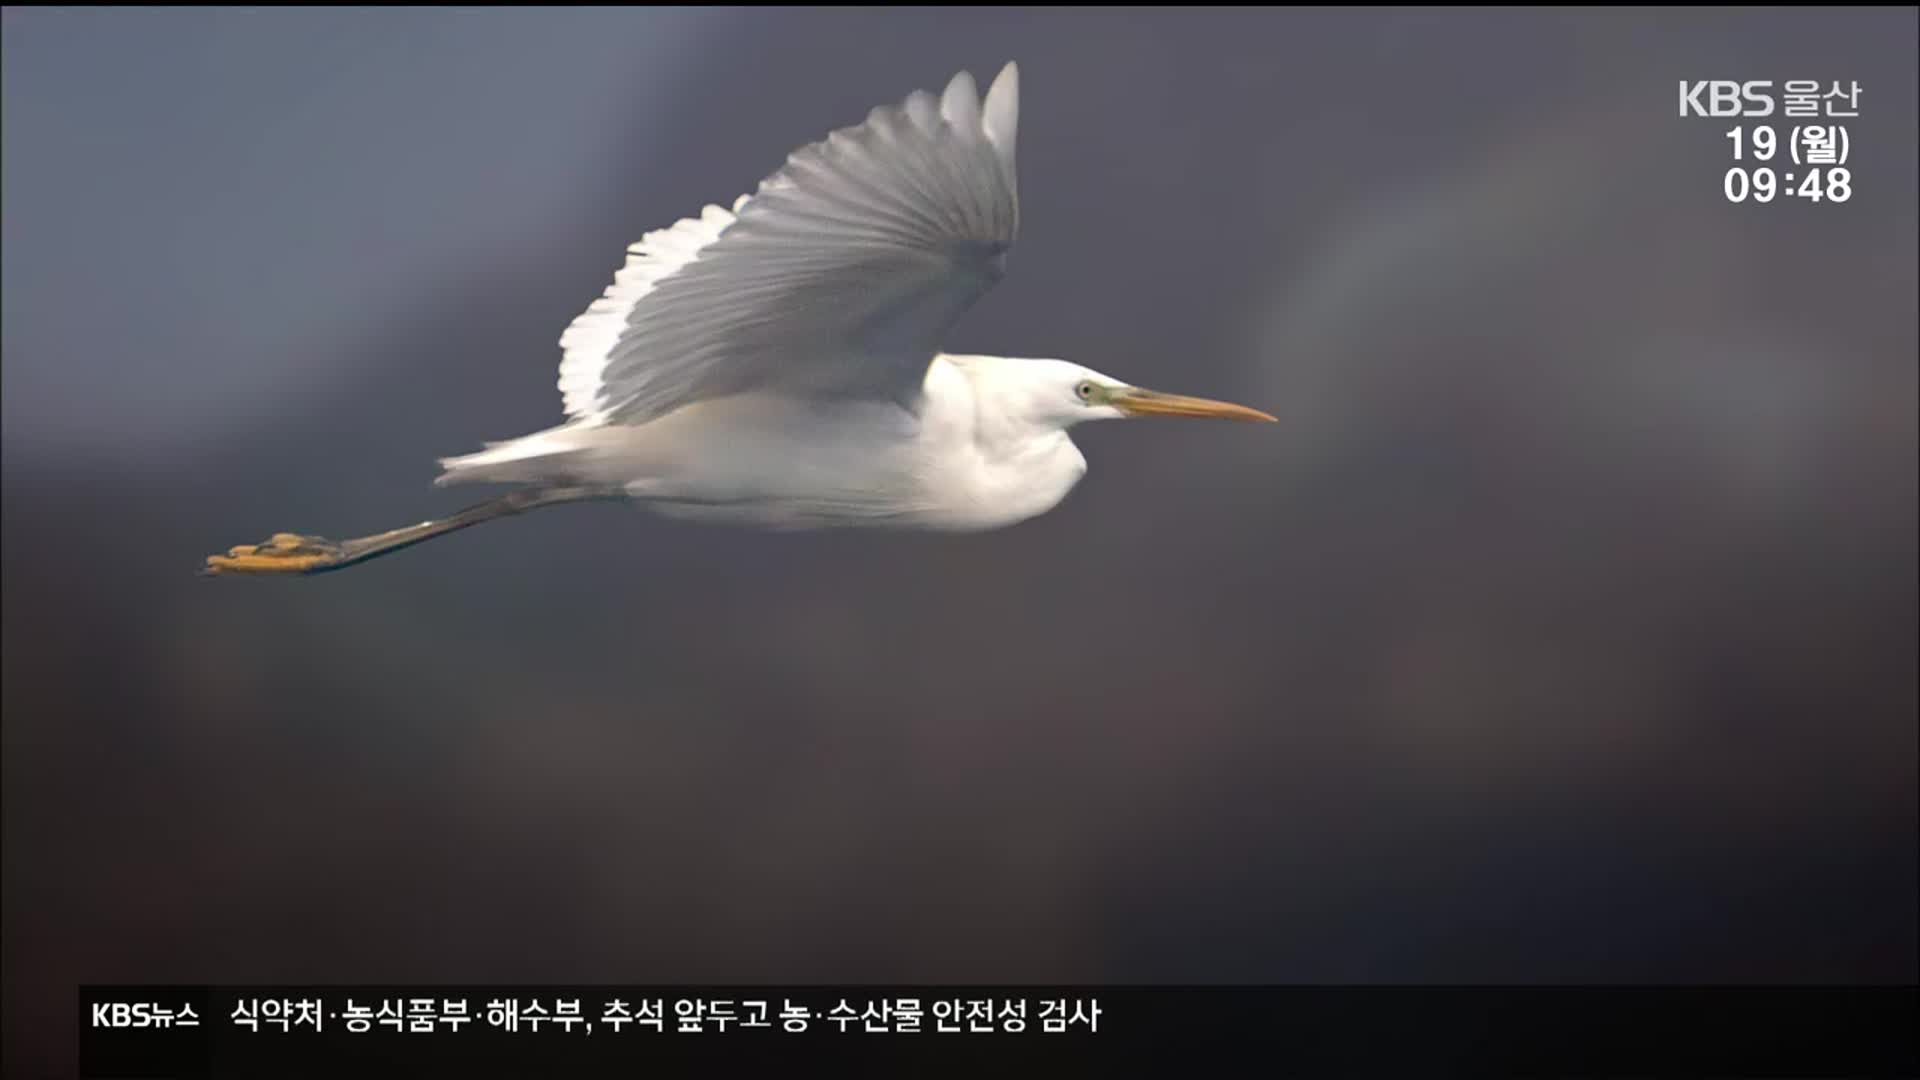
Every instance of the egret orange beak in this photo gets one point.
(1137, 402)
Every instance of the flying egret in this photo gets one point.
(780, 364)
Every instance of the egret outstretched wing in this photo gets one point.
(840, 275)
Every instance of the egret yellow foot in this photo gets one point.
(291, 553)
(284, 553)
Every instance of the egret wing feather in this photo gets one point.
(839, 276)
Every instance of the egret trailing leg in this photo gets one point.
(292, 553)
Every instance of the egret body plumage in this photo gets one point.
(781, 364)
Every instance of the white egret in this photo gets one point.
(780, 364)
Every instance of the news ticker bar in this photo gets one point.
(200, 1031)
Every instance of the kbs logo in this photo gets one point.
(1724, 98)
(140, 1014)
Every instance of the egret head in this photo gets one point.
(1068, 394)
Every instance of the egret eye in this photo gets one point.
(1085, 390)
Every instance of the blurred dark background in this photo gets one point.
(1562, 632)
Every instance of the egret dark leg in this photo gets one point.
(291, 553)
